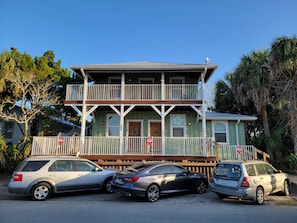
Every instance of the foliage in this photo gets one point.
(291, 161)
(283, 73)
(265, 83)
(31, 88)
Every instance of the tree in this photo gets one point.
(251, 87)
(224, 99)
(34, 86)
(283, 73)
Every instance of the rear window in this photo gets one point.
(29, 166)
(227, 171)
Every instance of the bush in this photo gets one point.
(291, 161)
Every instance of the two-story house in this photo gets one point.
(147, 108)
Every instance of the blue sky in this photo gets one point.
(114, 31)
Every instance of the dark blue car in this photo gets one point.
(152, 179)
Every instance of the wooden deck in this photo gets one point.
(193, 163)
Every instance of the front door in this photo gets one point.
(134, 139)
(156, 134)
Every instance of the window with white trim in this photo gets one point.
(113, 125)
(178, 125)
(220, 132)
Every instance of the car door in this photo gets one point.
(264, 179)
(63, 174)
(89, 176)
(276, 182)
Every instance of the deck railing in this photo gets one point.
(134, 92)
(183, 146)
(65, 145)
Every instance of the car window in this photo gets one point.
(269, 168)
(61, 165)
(250, 169)
(227, 171)
(178, 169)
(84, 166)
(33, 165)
(260, 169)
(161, 170)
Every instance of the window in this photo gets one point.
(61, 165)
(8, 130)
(34, 165)
(84, 166)
(113, 125)
(178, 125)
(261, 169)
(220, 131)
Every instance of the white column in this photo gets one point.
(203, 107)
(122, 113)
(84, 111)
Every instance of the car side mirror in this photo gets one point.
(97, 169)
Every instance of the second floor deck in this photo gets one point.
(141, 93)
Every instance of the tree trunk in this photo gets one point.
(266, 130)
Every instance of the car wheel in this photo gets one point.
(107, 185)
(153, 193)
(286, 189)
(41, 191)
(200, 187)
(259, 196)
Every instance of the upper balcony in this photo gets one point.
(134, 94)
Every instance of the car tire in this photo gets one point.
(200, 187)
(153, 193)
(259, 199)
(286, 189)
(107, 185)
(41, 191)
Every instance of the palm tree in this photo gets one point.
(283, 74)
(251, 86)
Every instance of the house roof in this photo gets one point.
(228, 117)
(148, 67)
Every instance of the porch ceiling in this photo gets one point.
(145, 67)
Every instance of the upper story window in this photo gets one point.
(113, 125)
(178, 123)
(220, 132)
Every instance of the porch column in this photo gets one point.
(203, 111)
(163, 128)
(84, 110)
(122, 113)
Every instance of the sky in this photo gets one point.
(82, 32)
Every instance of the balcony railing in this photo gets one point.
(134, 92)
(66, 145)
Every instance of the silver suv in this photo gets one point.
(248, 179)
(42, 176)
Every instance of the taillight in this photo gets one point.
(131, 179)
(18, 177)
(245, 182)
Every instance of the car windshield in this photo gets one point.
(227, 171)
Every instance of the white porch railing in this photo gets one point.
(236, 152)
(66, 145)
(134, 92)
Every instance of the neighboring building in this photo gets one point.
(11, 131)
(149, 108)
